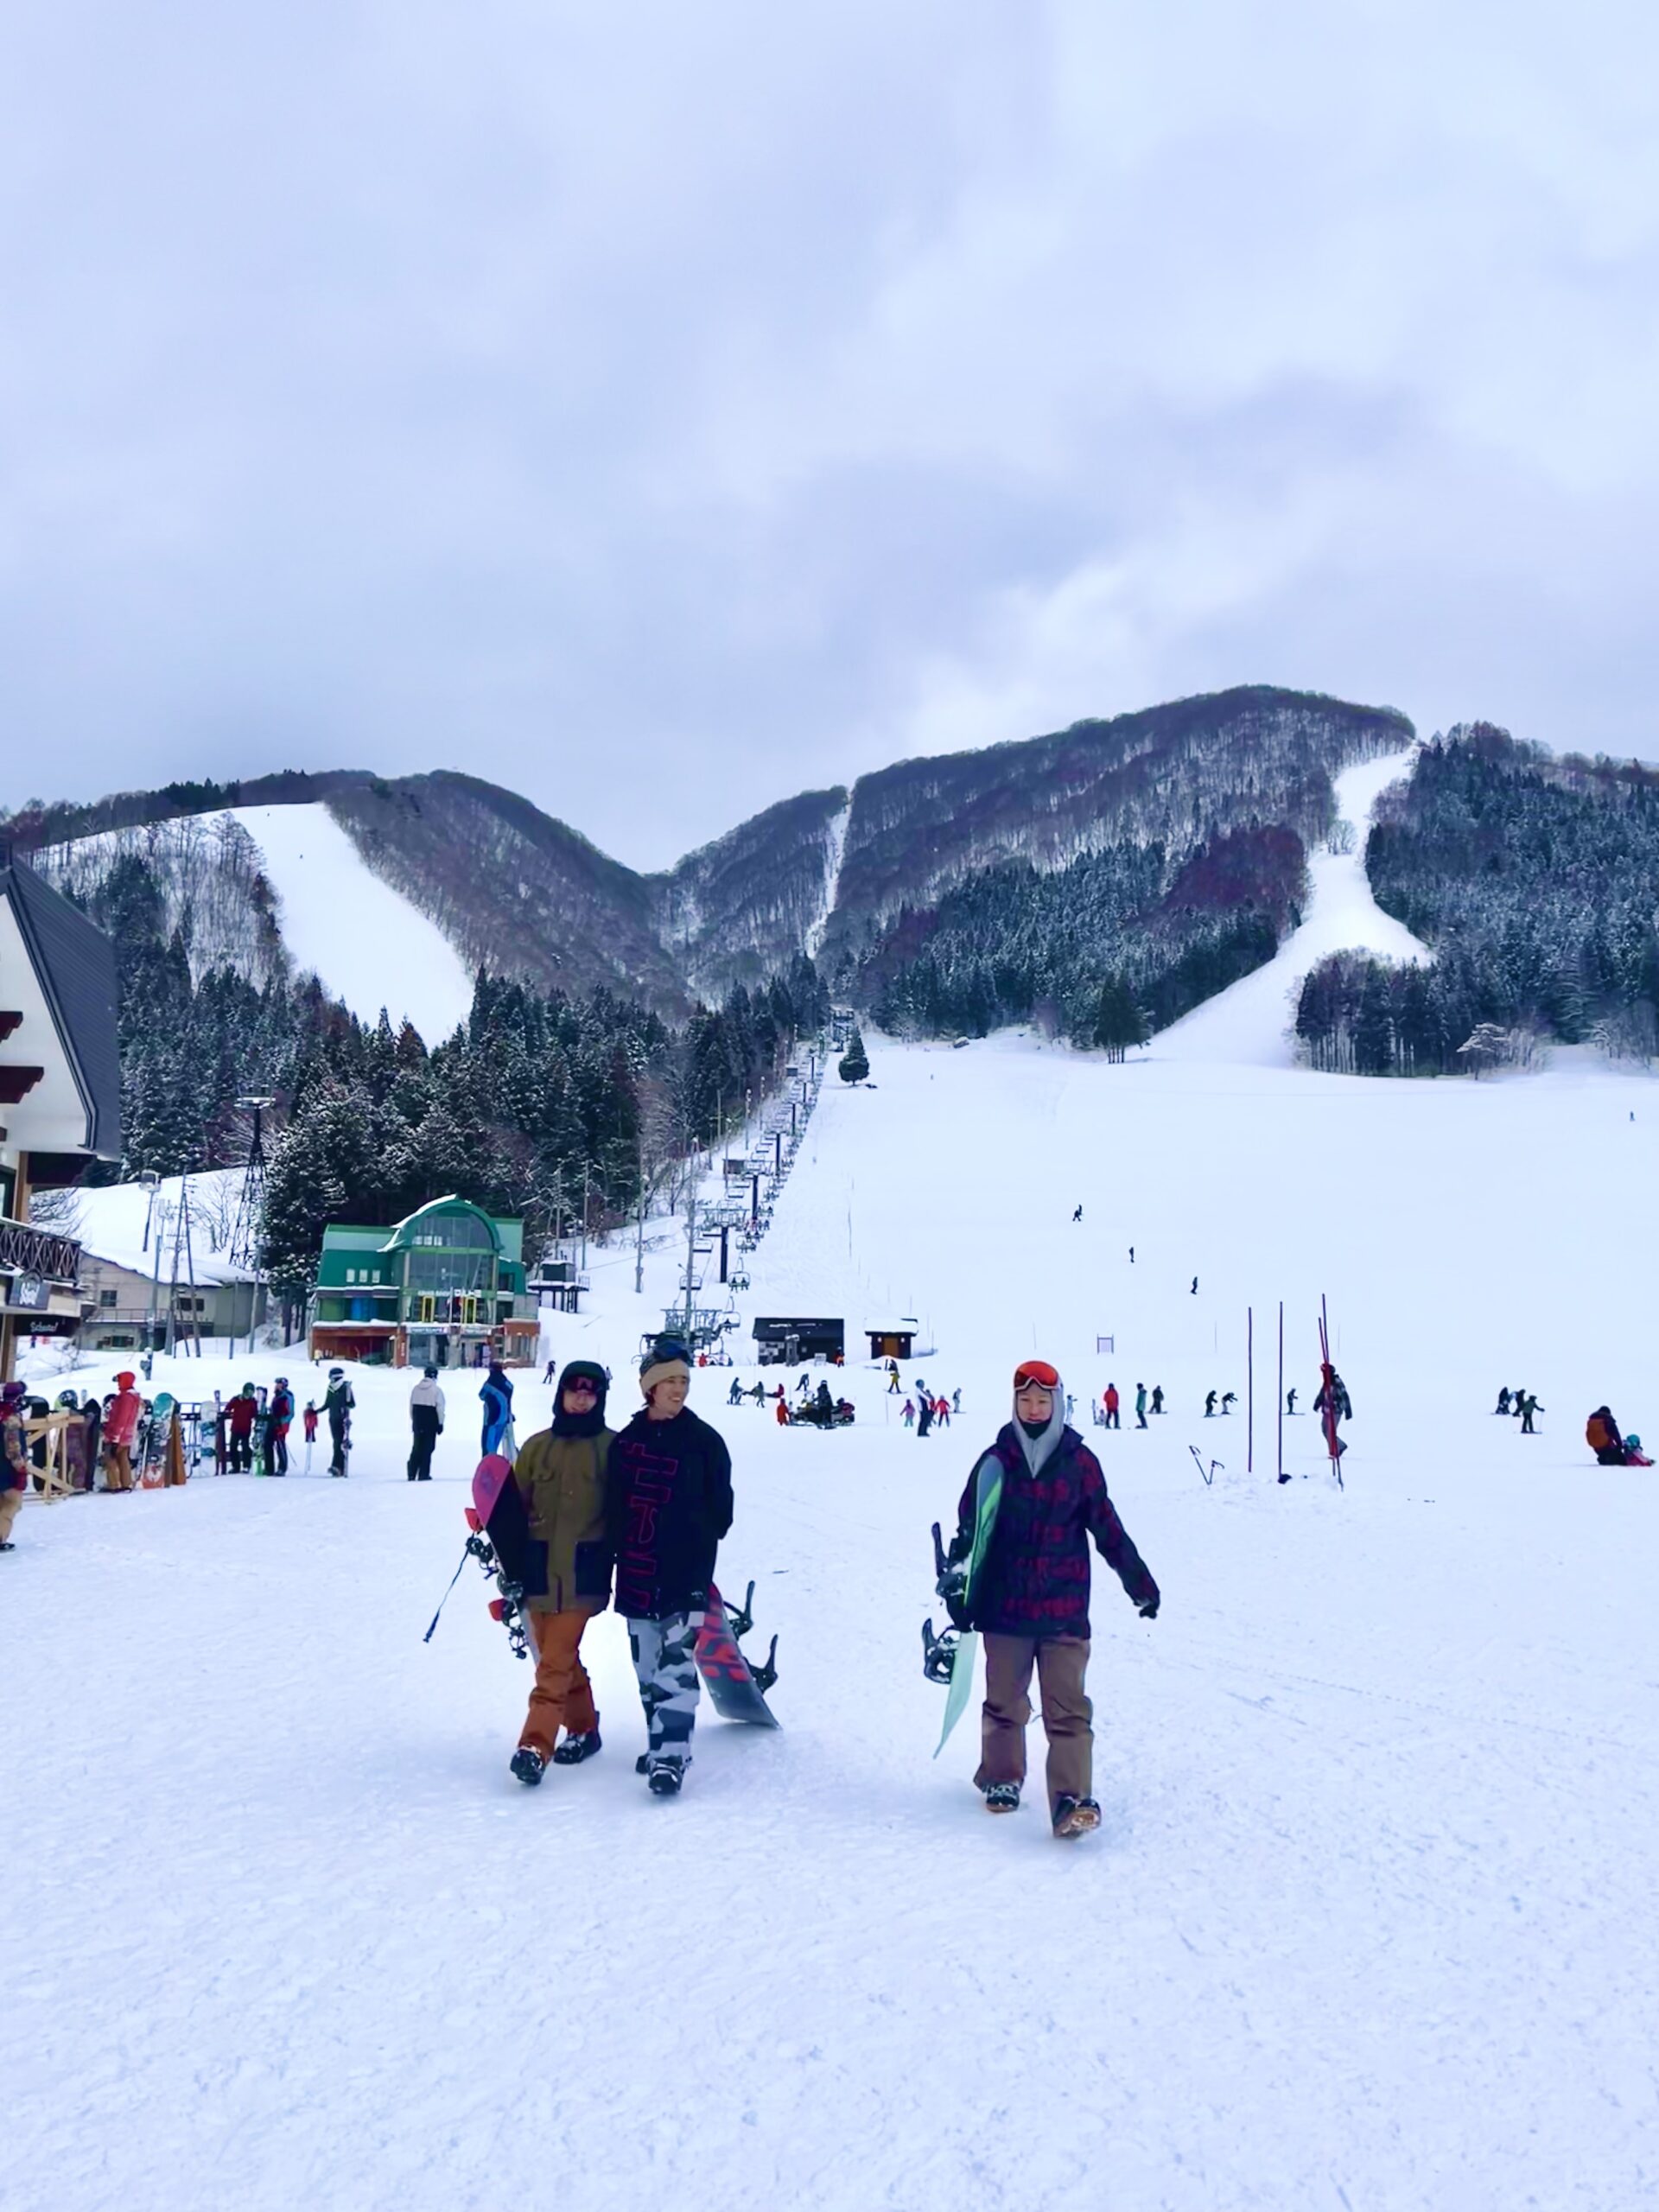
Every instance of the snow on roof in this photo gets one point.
(113, 1221)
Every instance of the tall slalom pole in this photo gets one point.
(1249, 1390)
(1281, 1389)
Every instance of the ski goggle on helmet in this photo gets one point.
(1037, 1371)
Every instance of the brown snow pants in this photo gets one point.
(11, 1503)
(1060, 1662)
(561, 1693)
(118, 1468)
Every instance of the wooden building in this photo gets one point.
(60, 1093)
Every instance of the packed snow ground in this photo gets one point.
(1369, 1921)
(341, 922)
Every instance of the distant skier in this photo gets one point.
(310, 1418)
(497, 1396)
(892, 1378)
(1290, 1401)
(668, 1503)
(1503, 1405)
(549, 1370)
(1077, 1215)
(1529, 1406)
(1210, 1406)
(1195, 1286)
(279, 1419)
(758, 1393)
(782, 1416)
(1030, 1597)
(942, 1412)
(1131, 1255)
(425, 1425)
(1229, 1400)
(1157, 1397)
(909, 1414)
(924, 1412)
(337, 1401)
(560, 1474)
(734, 1396)
(956, 1401)
(1140, 1405)
(1112, 1402)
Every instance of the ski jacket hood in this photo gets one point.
(1039, 1449)
(588, 1424)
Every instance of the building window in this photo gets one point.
(106, 1298)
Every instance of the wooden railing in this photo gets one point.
(37, 1252)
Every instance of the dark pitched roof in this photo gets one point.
(75, 963)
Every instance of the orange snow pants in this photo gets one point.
(561, 1693)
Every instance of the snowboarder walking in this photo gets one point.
(668, 1503)
(279, 1419)
(1140, 1405)
(497, 1396)
(14, 1461)
(560, 1474)
(338, 1402)
(425, 1425)
(1112, 1402)
(1030, 1600)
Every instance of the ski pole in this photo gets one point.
(444, 1600)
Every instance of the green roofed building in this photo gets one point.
(439, 1288)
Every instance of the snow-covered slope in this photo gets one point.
(340, 921)
(1250, 1023)
(1369, 1919)
(119, 1223)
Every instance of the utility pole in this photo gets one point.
(190, 1263)
(639, 1224)
(583, 1269)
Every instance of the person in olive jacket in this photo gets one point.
(560, 1474)
(668, 1503)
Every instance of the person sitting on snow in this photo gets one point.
(1601, 1434)
(1503, 1405)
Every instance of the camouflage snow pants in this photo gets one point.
(664, 1661)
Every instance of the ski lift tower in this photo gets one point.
(251, 1209)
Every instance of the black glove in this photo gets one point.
(1149, 1610)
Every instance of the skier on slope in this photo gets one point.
(560, 1474)
(1140, 1405)
(497, 1396)
(668, 1503)
(339, 1401)
(924, 1412)
(1112, 1403)
(1503, 1405)
(1209, 1405)
(1157, 1397)
(1529, 1406)
(425, 1425)
(1030, 1597)
(909, 1415)
(734, 1396)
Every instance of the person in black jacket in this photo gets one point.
(668, 1503)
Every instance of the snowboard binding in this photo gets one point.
(509, 1607)
(939, 1652)
(741, 1620)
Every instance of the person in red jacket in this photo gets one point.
(1112, 1421)
(121, 1431)
(243, 1409)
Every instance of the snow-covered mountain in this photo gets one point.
(477, 870)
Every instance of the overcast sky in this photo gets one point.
(662, 408)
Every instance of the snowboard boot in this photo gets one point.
(666, 1772)
(1075, 1816)
(528, 1764)
(578, 1745)
(1002, 1797)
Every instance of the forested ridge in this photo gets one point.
(1534, 880)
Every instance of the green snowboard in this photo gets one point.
(987, 1495)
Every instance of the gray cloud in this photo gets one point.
(662, 410)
